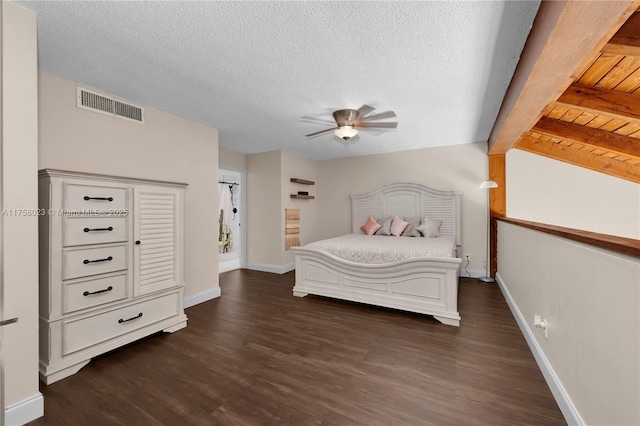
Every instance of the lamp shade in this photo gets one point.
(488, 184)
(346, 132)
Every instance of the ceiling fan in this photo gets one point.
(347, 121)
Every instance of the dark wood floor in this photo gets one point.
(259, 356)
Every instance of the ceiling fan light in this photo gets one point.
(346, 132)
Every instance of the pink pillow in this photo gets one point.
(398, 226)
(370, 226)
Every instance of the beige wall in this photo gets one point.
(459, 167)
(20, 191)
(294, 166)
(268, 195)
(264, 216)
(232, 159)
(165, 147)
(590, 298)
(548, 191)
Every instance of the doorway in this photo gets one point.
(230, 218)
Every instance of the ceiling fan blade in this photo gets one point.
(307, 119)
(364, 110)
(390, 125)
(386, 114)
(321, 131)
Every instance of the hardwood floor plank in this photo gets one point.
(260, 356)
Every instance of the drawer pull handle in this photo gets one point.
(120, 321)
(97, 260)
(98, 229)
(89, 293)
(87, 198)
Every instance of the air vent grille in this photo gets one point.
(108, 105)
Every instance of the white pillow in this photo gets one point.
(430, 228)
(398, 226)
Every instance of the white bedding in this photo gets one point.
(379, 249)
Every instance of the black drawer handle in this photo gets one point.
(120, 321)
(87, 198)
(89, 293)
(98, 229)
(97, 260)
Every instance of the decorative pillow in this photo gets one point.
(371, 226)
(412, 229)
(430, 228)
(398, 226)
(385, 229)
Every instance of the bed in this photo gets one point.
(423, 282)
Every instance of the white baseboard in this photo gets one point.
(24, 411)
(276, 269)
(201, 297)
(569, 410)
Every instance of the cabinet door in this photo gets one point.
(158, 230)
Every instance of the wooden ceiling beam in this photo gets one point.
(626, 41)
(581, 158)
(595, 138)
(625, 106)
(566, 37)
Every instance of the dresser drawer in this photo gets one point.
(94, 199)
(83, 262)
(87, 294)
(79, 231)
(88, 331)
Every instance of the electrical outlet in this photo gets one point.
(540, 322)
(467, 257)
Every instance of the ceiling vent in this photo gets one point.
(108, 105)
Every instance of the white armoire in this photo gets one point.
(111, 265)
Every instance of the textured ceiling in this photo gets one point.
(253, 69)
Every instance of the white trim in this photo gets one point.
(569, 410)
(275, 269)
(201, 297)
(24, 411)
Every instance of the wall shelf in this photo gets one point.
(303, 195)
(303, 181)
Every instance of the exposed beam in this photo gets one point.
(597, 100)
(497, 206)
(578, 157)
(627, 40)
(497, 173)
(595, 138)
(566, 37)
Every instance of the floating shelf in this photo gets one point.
(303, 197)
(302, 181)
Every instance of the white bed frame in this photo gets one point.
(423, 285)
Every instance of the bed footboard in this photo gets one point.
(423, 285)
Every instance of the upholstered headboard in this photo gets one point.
(410, 200)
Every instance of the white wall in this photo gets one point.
(543, 190)
(459, 167)
(590, 298)
(19, 168)
(165, 147)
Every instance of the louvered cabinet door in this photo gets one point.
(158, 227)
